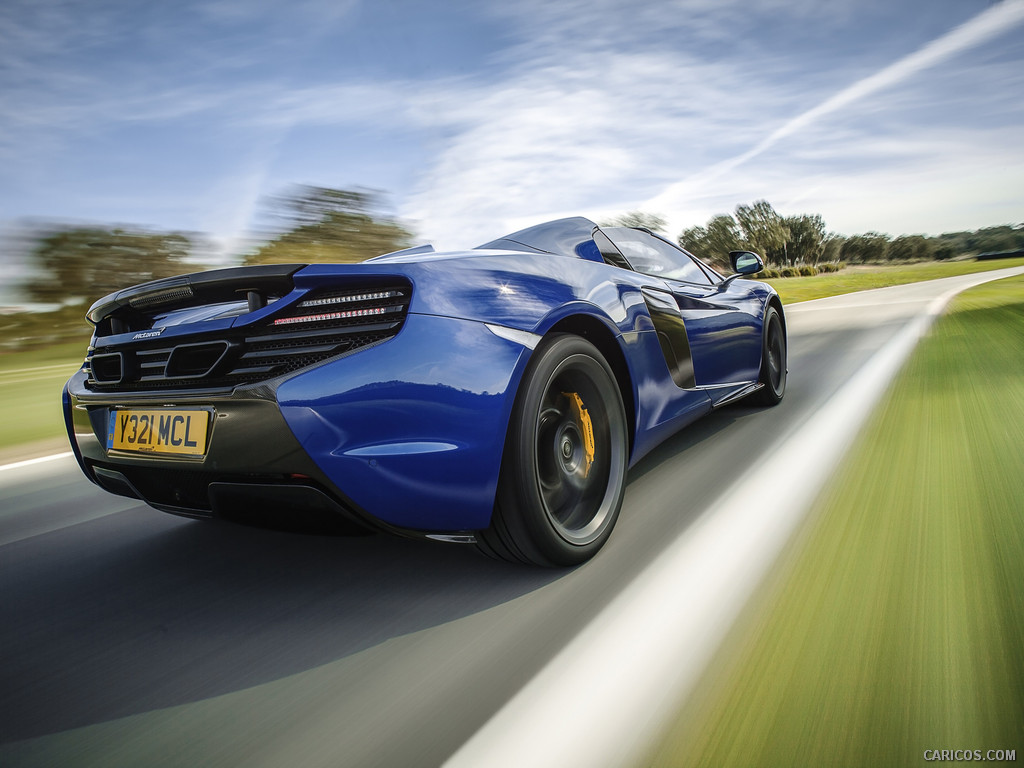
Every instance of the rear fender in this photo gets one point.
(412, 430)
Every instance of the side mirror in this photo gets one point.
(745, 262)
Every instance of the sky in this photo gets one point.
(475, 118)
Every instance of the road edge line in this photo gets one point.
(39, 460)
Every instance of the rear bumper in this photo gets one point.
(254, 467)
(406, 435)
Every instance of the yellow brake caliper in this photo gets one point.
(586, 428)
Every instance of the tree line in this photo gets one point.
(72, 265)
(75, 265)
(804, 239)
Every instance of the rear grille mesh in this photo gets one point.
(322, 326)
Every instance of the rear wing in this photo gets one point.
(133, 308)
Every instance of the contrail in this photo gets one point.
(986, 25)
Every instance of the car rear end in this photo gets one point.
(176, 402)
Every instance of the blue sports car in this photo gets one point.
(494, 396)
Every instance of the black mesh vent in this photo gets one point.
(321, 326)
(193, 360)
(106, 368)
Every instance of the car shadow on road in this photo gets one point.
(695, 435)
(138, 611)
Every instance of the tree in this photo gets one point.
(764, 230)
(832, 248)
(911, 248)
(994, 239)
(714, 242)
(694, 239)
(988, 239)
(945, 249)
(806, 242)
(330, 225)
(85, 263)
(869, 247)
(651, 221)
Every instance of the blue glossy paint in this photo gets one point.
(572, 236)
(724, 329)
(409, 434)
(412, 430)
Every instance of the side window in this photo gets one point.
(609, 252)
(684, 268)
(654, 256)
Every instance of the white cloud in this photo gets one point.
(933, 180)
(987, 25)
(600, 107)
(620, 129)
(577, 134)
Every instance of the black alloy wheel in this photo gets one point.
(563, 473)
(773, 360)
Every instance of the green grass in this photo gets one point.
(30, 386)
(792, 289)
(895, 622)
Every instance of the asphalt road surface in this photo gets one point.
(131, 637)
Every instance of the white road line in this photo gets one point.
(70, 366)
(609, 693)
(30, 462)
(810, 306)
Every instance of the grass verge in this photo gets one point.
(894, 624)
(30, 387)
(792, 289)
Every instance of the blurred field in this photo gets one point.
(861, 278)
(896, 623)
(30, 387)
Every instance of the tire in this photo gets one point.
(774, 360)
(559, 493)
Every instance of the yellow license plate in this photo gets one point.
(159, 431)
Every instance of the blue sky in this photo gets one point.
(479, 117)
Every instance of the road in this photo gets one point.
(130, 637)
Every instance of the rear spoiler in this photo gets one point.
(254, 284)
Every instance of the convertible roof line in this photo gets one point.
(561, 237)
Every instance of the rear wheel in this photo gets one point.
(563, 472)
(773, 360)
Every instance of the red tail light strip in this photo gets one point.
(349, 299)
